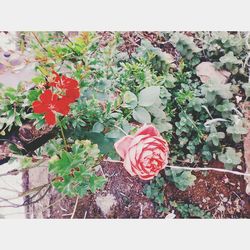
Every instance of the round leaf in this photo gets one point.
(149, 96)
(98, 127)
(141, 115)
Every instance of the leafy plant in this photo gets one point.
(187, 48)
(181, 179)
(155, 191)
(74, 173)
(237, 130)
(230, 158)
(190, 211)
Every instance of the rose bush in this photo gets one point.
(145, 153)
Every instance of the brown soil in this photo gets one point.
(223, 195)
(128, 198)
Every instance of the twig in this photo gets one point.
(141, 211)
(85, 214)
(74, 211)
(208, 169)
(37, 39)
(26, 203)
(120, 129)
(28, 213)
(18, 171)
(197, 169)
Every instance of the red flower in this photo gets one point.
(49, 104)
(69, 85)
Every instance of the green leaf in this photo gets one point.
(230, 158)
(98, 127)
(149, 96)
(162, 125)
(246, 87)
(181, 179)
(141, 115)
(130, 100)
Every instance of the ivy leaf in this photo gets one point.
(181, 179)
(237, 130)
(230, 158)
(141, 115)
(246, 87)
(149, 96)
(162, 124)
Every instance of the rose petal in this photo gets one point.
(128, 166)
(147, 177)
(122, 145)
(147, 130)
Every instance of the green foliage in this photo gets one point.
(181, 179)
(237, 130)
(120, 91)
(246, 87)
(230, 62)
(190, 211)
(220, 43)
(187, 48)
(14, 105)
(230, 158)
(155, 192)
(74, 173)
(215, 136)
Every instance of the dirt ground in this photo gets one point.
(223, 195)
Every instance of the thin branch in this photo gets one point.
(39, 42)
(196, 169)
(74, 211)
(18, 171)
(27, 203)
(124, 132)
(209, 169)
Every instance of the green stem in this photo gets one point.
(63, 136)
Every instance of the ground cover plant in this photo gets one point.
(168, 109)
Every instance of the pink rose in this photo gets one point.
(145, 153)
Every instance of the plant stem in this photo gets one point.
(63, 136)
(120, 129)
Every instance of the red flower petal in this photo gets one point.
(50, 118)
(73, 94)
(46, 96)
(62, 106)
(39, 107)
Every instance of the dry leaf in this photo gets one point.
(207, 71)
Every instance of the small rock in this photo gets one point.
(105, 203)
(239, 167)
(225, 199)
(221, 208)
